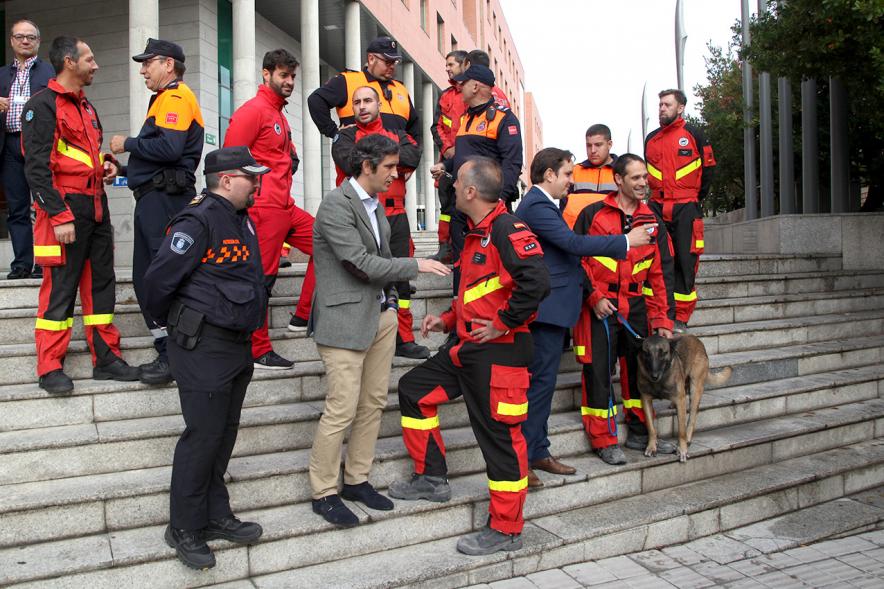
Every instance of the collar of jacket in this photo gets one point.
(611, 201)
(675, 125)
(228, 206)
(454, 86)
(475, 110)
(484, 226)
(374, 127)
(59, 89)
(29, 62)
(274, 99)
(170, 86)
(588, 164)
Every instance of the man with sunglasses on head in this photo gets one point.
(397, 110)
(21, 79)
(161, 171)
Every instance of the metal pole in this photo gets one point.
(681, 38)
(766, 136)
(787, 155)
(748, 131)
(838, 146)
(810, 175)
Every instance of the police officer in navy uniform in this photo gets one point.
(207, 285)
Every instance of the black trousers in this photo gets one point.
(685, 227)
(401, 246)
(153, 211)
(18, 203)
(212, 380)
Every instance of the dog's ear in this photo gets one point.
(672, 344)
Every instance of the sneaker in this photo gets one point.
(56, 383)
(116, 369)
(488, 541)
(156, 372)
(273, 361)
(612, 455)
(333, 510)
(422, 486)
(680, 327)
(297, 324)
(190, 548)
(366, 494)
(230, 528)
(639, 443)
(18, 274)
(444, 253)
(412, 350)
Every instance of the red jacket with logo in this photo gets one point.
(409, 158)
(679, 160)
(261, 125)
(502, 277)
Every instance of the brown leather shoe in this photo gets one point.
(550, 464)
(533, 480)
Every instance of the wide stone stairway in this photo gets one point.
(84, 479)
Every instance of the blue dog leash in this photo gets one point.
(611, 415)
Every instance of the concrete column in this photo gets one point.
(766, 136)
(352, 37)
(144, 22)
(411, 185)
(427, 108)
(840, 160)
(810, 176)
(244, 62)
(312, 156)
(786, 152)
(749, 182)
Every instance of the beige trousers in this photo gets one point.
(358, 383)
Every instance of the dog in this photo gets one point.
(673, 369)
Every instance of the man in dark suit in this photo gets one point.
(551, 173)
(19, 80)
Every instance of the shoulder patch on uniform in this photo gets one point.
(171, 118)
(197, 199)
(520, 226)
(29, 116)
(181, 242)
(513, 130)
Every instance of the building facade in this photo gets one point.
(225, 40)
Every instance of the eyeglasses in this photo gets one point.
(251, 177)
(21, 38)
(389, 62)
(154, 58)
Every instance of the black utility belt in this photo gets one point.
(169, 180)
(188, 327)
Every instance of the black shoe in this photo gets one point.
(56, 383)
(488, 541)
(297, 324)
(230, 528)
(640, 443)
(156, 372)
(366, 494)
(116, 369)
(273, 361)
(612, 455)
(37, 272)
(444, 253)
(333, 510)
(190, 547)
(412, 350)
(285, 263)
(18, 274)
(421, 486)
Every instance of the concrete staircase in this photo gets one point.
(84, 479)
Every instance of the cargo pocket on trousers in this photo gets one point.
(509, 393)
(697, 243)
(48, 251)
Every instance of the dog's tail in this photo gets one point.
(718, 378)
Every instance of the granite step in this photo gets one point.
(728, 485)
(807, 414)
(738, 286)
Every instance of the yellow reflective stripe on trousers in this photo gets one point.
(699, 244)
(632, 403)
(686, 297)
(641, 266)
(603, 413)
(404, 303)
(609, 263)
(648, 292)
(104, 319)
(655, 172)
(424, 424)
(445, 218)
(512, 408)
(685, 170)
(481, 290)
(74, 153)
(579, 350)
(508, 486)
(47, 250)
(50, 325)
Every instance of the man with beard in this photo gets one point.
(261, 125)
(207, 286)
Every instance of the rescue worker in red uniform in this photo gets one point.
(680, 162)
(73, 236)
(366, 106)
(594, 177)
(449, 108)
(503, 282)
(397, 111)
(626, 298)
(261, 125)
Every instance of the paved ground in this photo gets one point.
(721, 561)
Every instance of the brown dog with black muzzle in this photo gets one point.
(673, 369)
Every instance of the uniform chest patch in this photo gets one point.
(94, 124)
(181, 242)
(485, 240)
(686, 152)
(400, 97)
(277, 129)
(683, 141)
(171, 118)
(29, 116)
(529, 246)
(481, 126)
(479, 258)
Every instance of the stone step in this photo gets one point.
(751, 264)
(730, 483)
(739, 286)
(135, 494)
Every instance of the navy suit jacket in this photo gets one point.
(562, 250)
(41, 73)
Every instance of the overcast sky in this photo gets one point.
(586, 61)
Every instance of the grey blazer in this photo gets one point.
(351, 271)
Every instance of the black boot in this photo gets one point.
(230, 528)
(190, 547)
(412, 350)
(156, 372)
(444, 253)
(56, 383)
(116, 369)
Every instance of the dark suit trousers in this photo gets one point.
(18, 203)
(548, 343)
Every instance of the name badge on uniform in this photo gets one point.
(19, 99)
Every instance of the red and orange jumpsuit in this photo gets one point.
(503, 280)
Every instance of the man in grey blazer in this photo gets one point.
(354, 325)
